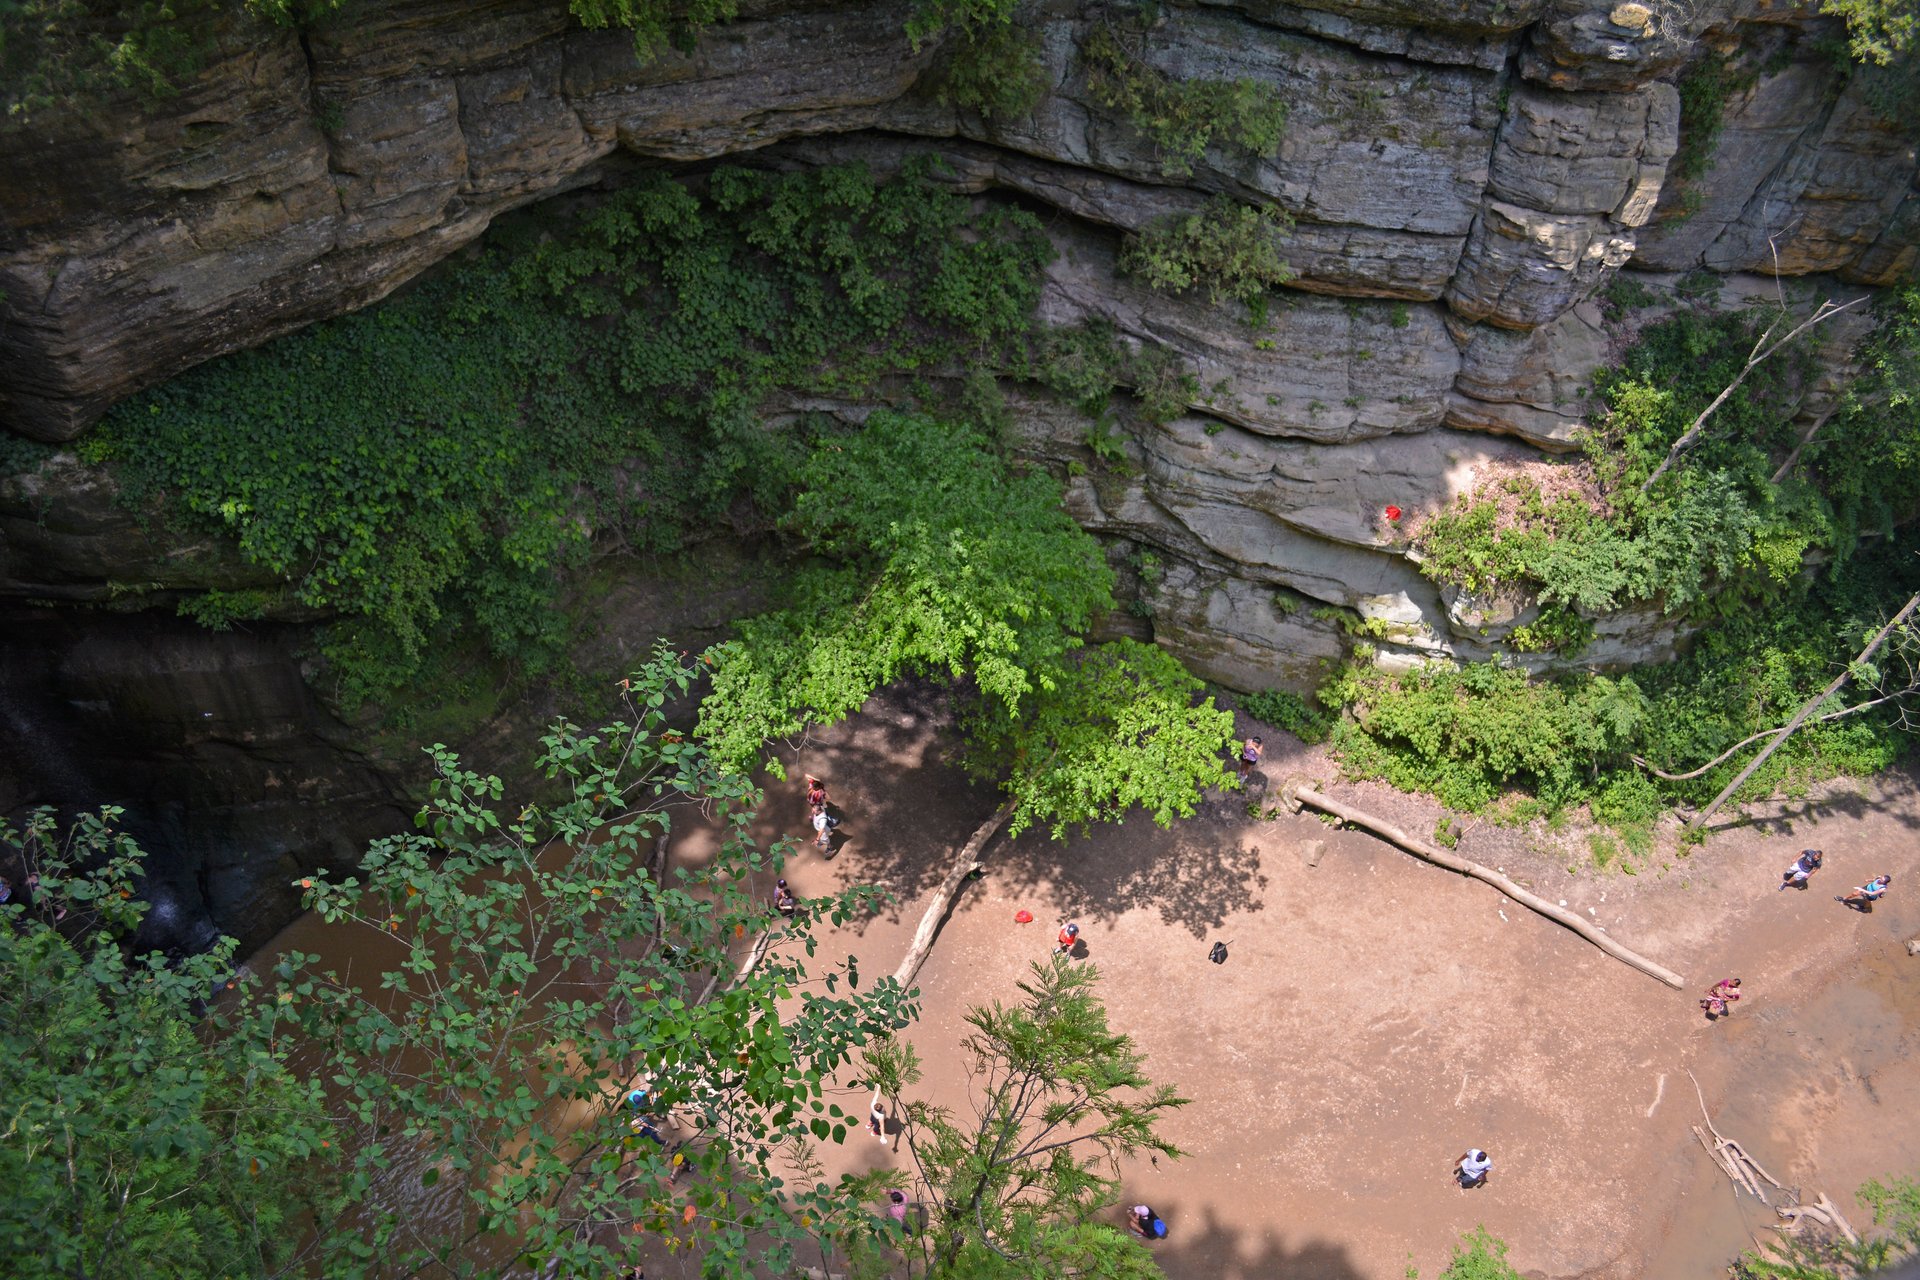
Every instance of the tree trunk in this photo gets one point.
(1800, 716)
(1439, 857)
(1806, 438)
(965, 864)
(1761, 351)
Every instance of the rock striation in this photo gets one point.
(1462, 176)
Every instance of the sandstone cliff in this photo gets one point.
(1463, 176)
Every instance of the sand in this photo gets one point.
(1377, 1016)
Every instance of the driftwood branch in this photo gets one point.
(1800, 717)
(1759, 355)
(1806, 438)
(964, 865)
(1296, 795)
(1732, 1158)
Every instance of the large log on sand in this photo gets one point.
(1296, 793)
(937, 907)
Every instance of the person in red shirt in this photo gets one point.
(1069, 934)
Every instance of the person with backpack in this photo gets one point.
(1144, 1220)
(823, 825)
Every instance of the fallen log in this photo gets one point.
(1294, 794)
(964, 865)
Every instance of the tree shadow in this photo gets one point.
(1894, 794)
(1200, 1246)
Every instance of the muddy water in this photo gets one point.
(1822, 1093)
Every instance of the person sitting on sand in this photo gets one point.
(1720, 996)
(1069, 935)
(1148, 1223)
(783, 899)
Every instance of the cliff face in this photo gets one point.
(1462, 177)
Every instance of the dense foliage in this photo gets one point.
(1725, 538)
(144, 1136)
(931, 556)
(1230, 248)
(542, 963)
(435, 459)
(1183, 118)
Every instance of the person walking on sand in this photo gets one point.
(1250, 752)
(816, 794)
(1069, 935)
(823, 825)
(897, 1206)
(1720, 997)
(1863, 898)
(1797, 875)
(1471, 1169)
(877, 1118)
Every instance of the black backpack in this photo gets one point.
(1219, 953)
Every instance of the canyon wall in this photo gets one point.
(1463, 177)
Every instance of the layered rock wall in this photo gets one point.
(1462, 177)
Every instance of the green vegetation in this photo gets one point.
(1896, 1213)
(538, 968)
(1478, 1256)
(55, 52)
(1879, 32)
(143, 1138)
(1232, 249)
(1705, 90)
(428, 465)
(1720, 540)
(1086, 363)
(931, 556)
(995, 66)
(1016, 1183)
(657, 25)
(1181, 117)
(1291, 712)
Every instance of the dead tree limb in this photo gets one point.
(1721, 759)
(1755, 358)
(1800, 717)
(1806, 438)
(964, 865)
(1296, 795)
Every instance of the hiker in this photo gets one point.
(1069, 935)
(897, 1206)
(816, 794)
(1795, 876)
(877, 1118)
(823, 825)
(1249, 756)
(783, 900)
(1720, 997)
(1863, 898)
(1144, 1220)
(1472, 1168)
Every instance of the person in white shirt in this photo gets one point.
(1473, 1167)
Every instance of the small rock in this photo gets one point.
(1563, 902)
(1592, 912)
(1310, 851)
(1913, 947)
(1631, 16)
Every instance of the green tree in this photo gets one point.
(929, 555)
(142, 1136)
(1059, 1099)
(540, 968)
(1896, 1212)
(1478, 1256)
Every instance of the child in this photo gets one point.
(877, 1119)
(1068, 936)
(1249, 756)
(1721, 997)
(783, 900)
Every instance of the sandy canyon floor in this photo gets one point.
(1378, 1015)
